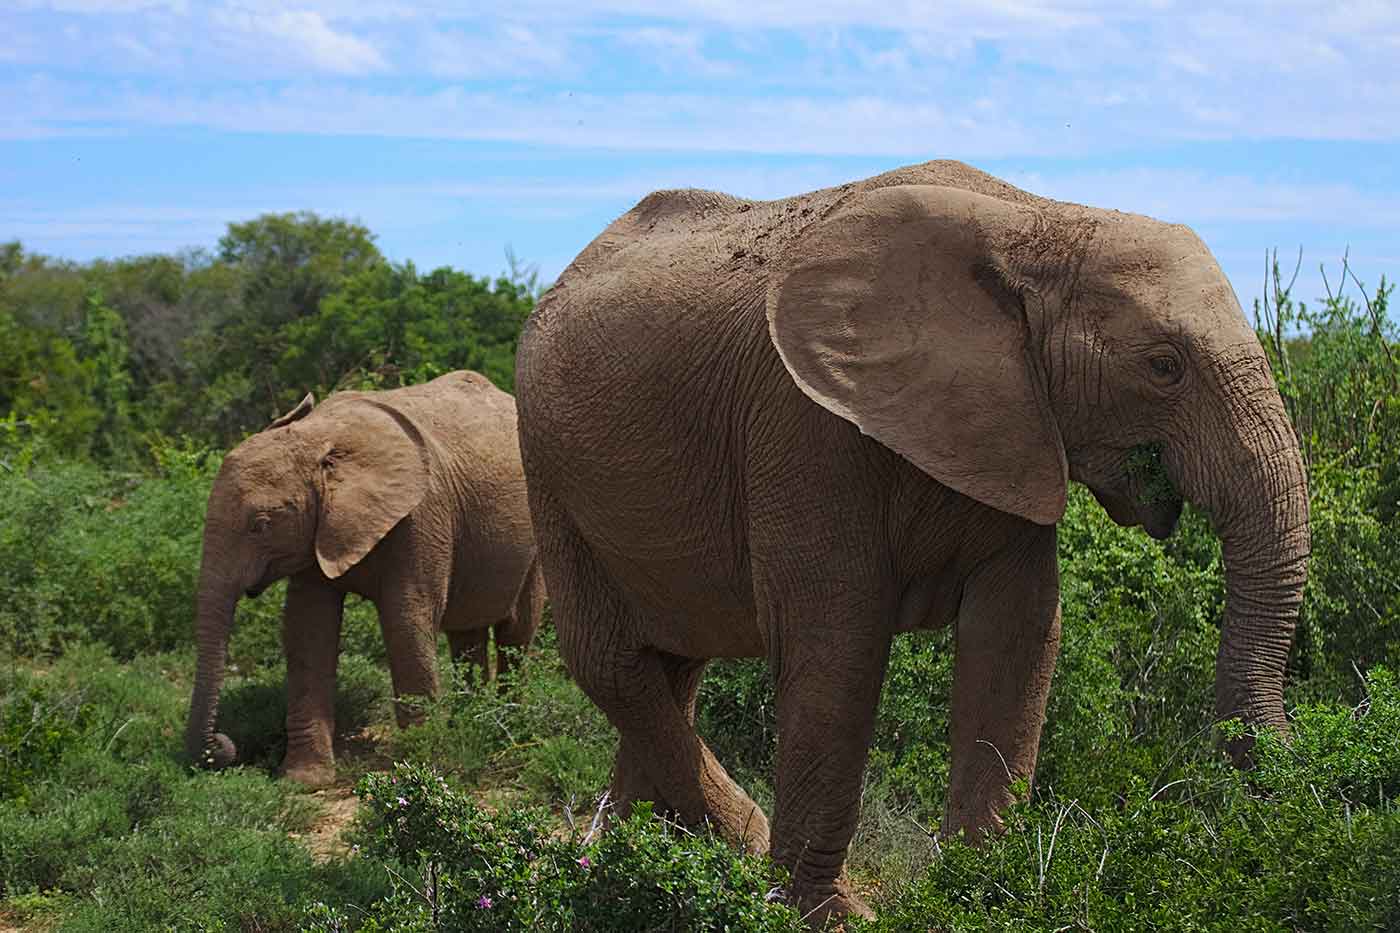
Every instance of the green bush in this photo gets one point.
(538, 733)
(1319, 849)
(88, 554)
(117, 833)
(464, 869)
(33, 735)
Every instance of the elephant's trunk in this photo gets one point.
(219, 591)
(1258, 499)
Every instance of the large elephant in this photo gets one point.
(794, 428)
(412, 498)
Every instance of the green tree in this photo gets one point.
(285, 265)
(105, 356)
(388, 325)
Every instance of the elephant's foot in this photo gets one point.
(411, 710)
(826, 907)
(726, 807)
(312, 774)
(738, 819)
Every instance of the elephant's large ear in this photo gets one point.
(303, 409)
(896, 314)
(374, 472)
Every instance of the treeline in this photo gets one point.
(105, 360)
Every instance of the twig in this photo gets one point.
(603, 802)
(569, 817)
(1054, 833)
(120, 730)
(1004, 766)
(823, 903)
(1375, 327)
(1341, 285)
(1164, 787)
(1103, 858)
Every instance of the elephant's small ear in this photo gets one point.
(296, 414)
(895, 314)
(374, 472)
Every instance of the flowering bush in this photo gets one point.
(456, 866)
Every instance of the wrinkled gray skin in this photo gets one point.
(412, 498)
(791, 429)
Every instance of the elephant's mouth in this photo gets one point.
(1155, 498)
(1146, 497)
(1161, 518)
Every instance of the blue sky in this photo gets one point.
(455, 129)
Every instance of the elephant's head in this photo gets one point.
(1006, 348)
(318, 491)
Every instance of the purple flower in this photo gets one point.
(402, 802)
(584, 862)
(484, 902)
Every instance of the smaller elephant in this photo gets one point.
(412, 498)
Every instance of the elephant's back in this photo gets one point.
(696, 233)
(467, 422)
(456, 403)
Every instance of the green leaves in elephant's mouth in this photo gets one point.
(1149, 477)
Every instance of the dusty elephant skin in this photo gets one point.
(793, 428)
(412, 498)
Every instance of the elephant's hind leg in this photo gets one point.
(468, 646)
(726, 804)
(647, 696)
(519, 630)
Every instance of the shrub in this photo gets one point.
(537, 732)
(467, 869)
(1320, 850)
(87, 554)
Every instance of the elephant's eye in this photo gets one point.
(1166, 367)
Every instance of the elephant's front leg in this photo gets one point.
(1007, 636)
(311, 640)
(409, 616)
(830, 665)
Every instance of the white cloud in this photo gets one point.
(1011, 77)
(677, 50)
(1038, 122)
(306, 35)
(1198, 198)
(123, 228)
(852, 126)
(511, 50)
(104, 6)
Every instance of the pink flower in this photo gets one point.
(484, 902)
(584, 862)
(403, 802)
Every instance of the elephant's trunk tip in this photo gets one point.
(218, 752)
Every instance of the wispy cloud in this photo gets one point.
(856, 126)
(503, 51)
(1109, 71)
(303, 34)
(1195, 197)
(608, 99)
(676, 50)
